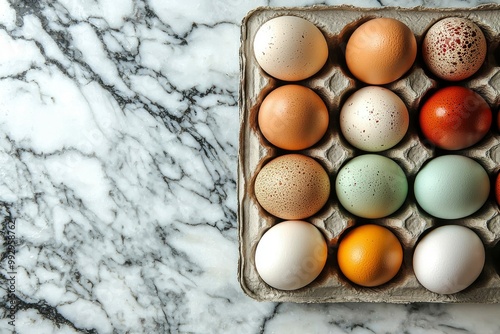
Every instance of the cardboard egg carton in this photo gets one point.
(334, 84)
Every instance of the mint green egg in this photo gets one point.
(371, 186)
(451, 187)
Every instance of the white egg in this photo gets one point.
(290, 48)
(451, 187)
(448, 259)
(374, 119)
(290, 255)
(371, 186)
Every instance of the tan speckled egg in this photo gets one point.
(290, 48)
(380, 51)
(292, 186)
(454, 48)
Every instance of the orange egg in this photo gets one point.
(293, 117)
(381, 51)
(370, 255)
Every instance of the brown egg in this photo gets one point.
(454, 48)
(381, 51)
(293, 117)
(292, 186)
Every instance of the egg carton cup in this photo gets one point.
(334, 84)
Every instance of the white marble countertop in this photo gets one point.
(118, 157)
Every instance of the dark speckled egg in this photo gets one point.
(454, 48)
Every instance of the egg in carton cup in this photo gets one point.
(334, 80)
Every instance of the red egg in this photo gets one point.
(497, 189)
(455, 118)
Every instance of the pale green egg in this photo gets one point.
(371, 186)
(451, 187)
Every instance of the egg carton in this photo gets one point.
(334, 84)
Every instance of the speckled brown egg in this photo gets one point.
(454, 48)
(292, 186)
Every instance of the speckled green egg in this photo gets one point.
(371, 186)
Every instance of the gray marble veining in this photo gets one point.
(118, 156)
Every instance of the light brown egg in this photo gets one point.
(380, 51)
(293, 117)
(454, 48)
(292, 186)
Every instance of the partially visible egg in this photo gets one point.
(374, 119)
(448, 259)
(290, 48)
(498, 120)
(293, 117)
(454, 48)
(290, 255)
(497, 189)
(451, 187)
(380, 51)
(292, 186)
(371, 186)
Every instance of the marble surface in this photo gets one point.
(118, 157)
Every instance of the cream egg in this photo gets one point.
(451, 187)
(374, 119)
(292, 186)
(371, 186)
(454, 48)
(448, 259)
(290, 255)
(290, 48)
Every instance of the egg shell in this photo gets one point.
(290, 48)
(292, 186)
(381, 51)
(293, 117)
(374, 119)
(371, 186)
(454, 48)
(451, 187)
(290, 255)
(448, 259)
